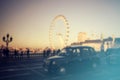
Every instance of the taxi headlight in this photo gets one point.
(53, 62)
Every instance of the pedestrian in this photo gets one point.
(15, 53)
(1, 51)
(102, 48)
(0, 54)
(44, 53)
(28, 53)
(54, 52)
(21, 54)
(57, 51)
(7, 52)
(48, 52)
(6, 55)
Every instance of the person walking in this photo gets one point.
(21, 54)
(15, 53)
(28, 53)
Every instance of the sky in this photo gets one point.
(28, 21)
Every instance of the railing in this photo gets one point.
(23, 55)
(13, 59)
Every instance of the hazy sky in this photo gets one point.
(28, 21)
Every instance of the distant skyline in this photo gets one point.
(28, 21)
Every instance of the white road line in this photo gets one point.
(15, 75)
(17, 69)
(32, 69)
(38, 73)
(16, 66)
(32, 64)
(20, 67)
(7, 67)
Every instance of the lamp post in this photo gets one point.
(7, 39)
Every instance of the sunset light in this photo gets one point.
(29, 21)
(59, 39)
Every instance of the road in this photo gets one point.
(31, 69)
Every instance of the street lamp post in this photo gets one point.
(7, 39)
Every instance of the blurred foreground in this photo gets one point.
(32, 69)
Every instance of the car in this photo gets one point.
(71, 58)
(113, 56)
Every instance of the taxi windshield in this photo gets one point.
(65, 52)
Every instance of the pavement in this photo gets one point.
(32, 69)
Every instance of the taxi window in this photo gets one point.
(85, 52)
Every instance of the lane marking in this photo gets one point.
(17, 66)
(36, 72)
(15, 75)
(13, 69)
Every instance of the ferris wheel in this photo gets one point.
(59, 34)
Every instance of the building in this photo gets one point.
(98, 44)
(82, 36)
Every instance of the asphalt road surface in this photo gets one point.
(31, 69)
